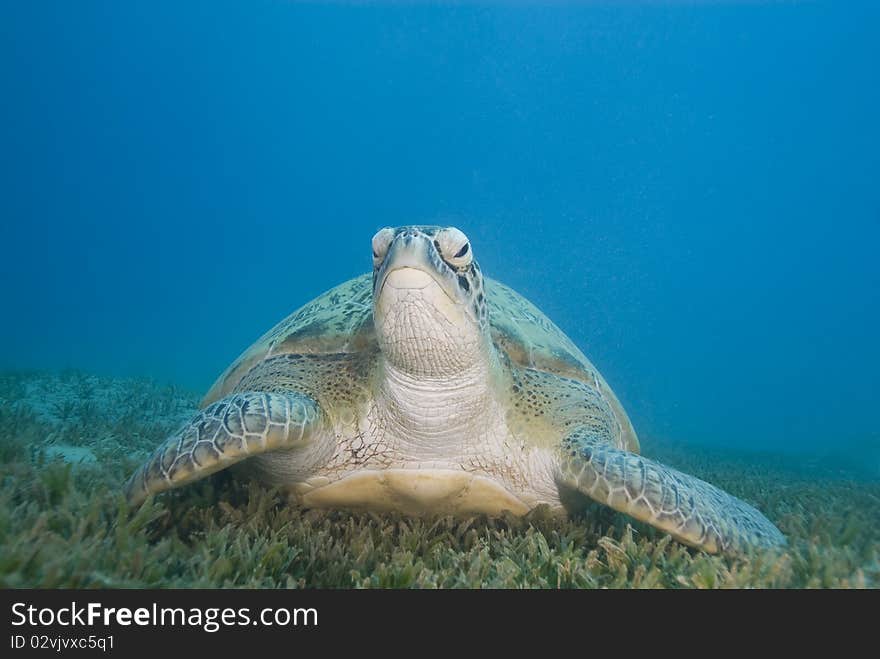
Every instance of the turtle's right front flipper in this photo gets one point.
(228, 431)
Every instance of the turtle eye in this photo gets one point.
(454, 247)
(381, 242)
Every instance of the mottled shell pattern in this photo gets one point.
(341, 321)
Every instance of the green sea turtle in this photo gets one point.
(425, 387)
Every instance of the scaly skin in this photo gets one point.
(224, 433)
(689, 509)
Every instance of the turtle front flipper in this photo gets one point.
(224, 433)
(689, 509)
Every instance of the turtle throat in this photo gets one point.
(433, 414)
(424, 333)
(437, 367)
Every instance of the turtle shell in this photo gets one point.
(341, 321)
(531, 340)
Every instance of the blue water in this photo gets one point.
(691, 191)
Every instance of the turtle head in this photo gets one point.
(429, 305)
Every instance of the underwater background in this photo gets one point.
(690, 190)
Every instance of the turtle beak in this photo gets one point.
(411, 270)
(408, 271)
(408, 250)
(408, 264)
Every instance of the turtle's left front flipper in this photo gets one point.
(689, 509)
(228, 431)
